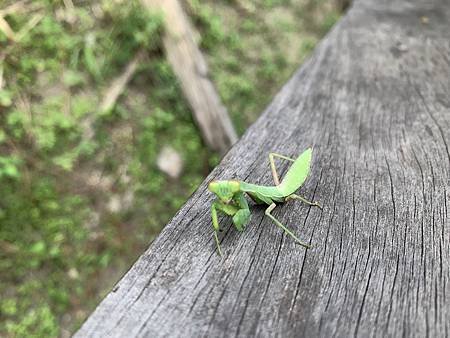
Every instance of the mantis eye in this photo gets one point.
(213, 186)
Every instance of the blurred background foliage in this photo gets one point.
(81, 192)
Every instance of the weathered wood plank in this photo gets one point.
(374, 102)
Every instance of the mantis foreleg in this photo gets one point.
(215, 223)
(276, 178)
(304, 200)
(277, 222)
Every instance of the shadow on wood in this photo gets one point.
(374, 102)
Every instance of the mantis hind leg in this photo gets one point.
(304, 200)
(277, 222)
(272, 156)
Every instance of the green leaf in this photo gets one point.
(38, 248)
(2, 136)
(8, 166)
(73, 78)
(66, 160)
(5, 98)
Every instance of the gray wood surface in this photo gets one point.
(374, 102)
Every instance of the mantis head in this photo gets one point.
(224, 190)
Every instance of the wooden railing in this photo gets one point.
(374, 101)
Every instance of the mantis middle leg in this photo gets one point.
(277, 222)
(276, 178)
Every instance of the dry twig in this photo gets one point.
(119, 84)
(6, 29)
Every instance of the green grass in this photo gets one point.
(252, 54)
(82, 196)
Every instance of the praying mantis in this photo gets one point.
(231, 195)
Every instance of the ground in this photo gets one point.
(82, 192)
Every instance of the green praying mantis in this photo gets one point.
(231, 200)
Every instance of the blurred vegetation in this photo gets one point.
(82, 196)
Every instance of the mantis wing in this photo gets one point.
(297, 173)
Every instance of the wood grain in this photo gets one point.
(374, 102)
